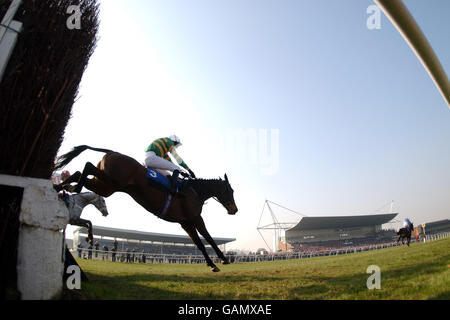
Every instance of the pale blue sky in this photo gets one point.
(360, 122)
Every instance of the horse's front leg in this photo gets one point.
(85, 224)
(101, 184)
(88, 225)
(201, 228)
(190, 229)
(77, 222)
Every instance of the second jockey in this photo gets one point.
(57, 179)
(157, 157)
(408, 224)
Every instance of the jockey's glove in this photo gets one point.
(191, 173)
(184, 174)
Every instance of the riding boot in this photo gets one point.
(174, 182)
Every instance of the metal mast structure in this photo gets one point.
(276, 226)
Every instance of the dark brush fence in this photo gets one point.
(37, 92)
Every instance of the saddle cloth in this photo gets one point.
(158, 180)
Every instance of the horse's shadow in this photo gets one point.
(176, 287)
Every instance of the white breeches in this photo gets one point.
(155, 162)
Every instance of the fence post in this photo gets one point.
(40, 251)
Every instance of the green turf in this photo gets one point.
(421, 271)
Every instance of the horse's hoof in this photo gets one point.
(215, 269)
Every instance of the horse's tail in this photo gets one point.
(63, 160)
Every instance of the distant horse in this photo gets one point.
(404, 233)
(117, 172)
(76, 203)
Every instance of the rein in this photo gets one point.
(202, 191)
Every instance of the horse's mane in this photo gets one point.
(199, 184)
(207, 180)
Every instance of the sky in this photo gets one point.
(299, 102)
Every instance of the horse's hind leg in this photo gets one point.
(201, 228)
(88, 170)
(101, 184)
(99, 187)
(73, 178)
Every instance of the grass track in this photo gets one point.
(421, 271)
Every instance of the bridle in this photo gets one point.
(223, 193)
(96, 201)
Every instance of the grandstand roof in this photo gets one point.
(313, 223)
(145, 236)
(437, 223)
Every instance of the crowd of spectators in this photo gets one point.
(358, 244)
(138, 252)
(131, 253)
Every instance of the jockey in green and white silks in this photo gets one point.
(157, 157)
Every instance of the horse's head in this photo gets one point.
(225, 196)
(100, 204)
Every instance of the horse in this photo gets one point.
(404, 233)
(76, 203)
(117, 172)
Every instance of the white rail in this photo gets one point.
(121, 256)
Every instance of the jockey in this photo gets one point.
(156, 157)
(407, 224)
(58, 179)
(64, 175)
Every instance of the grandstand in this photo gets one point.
(330, 233)
(434, 227)
(139, 241)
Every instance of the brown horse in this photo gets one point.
(118, 172)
